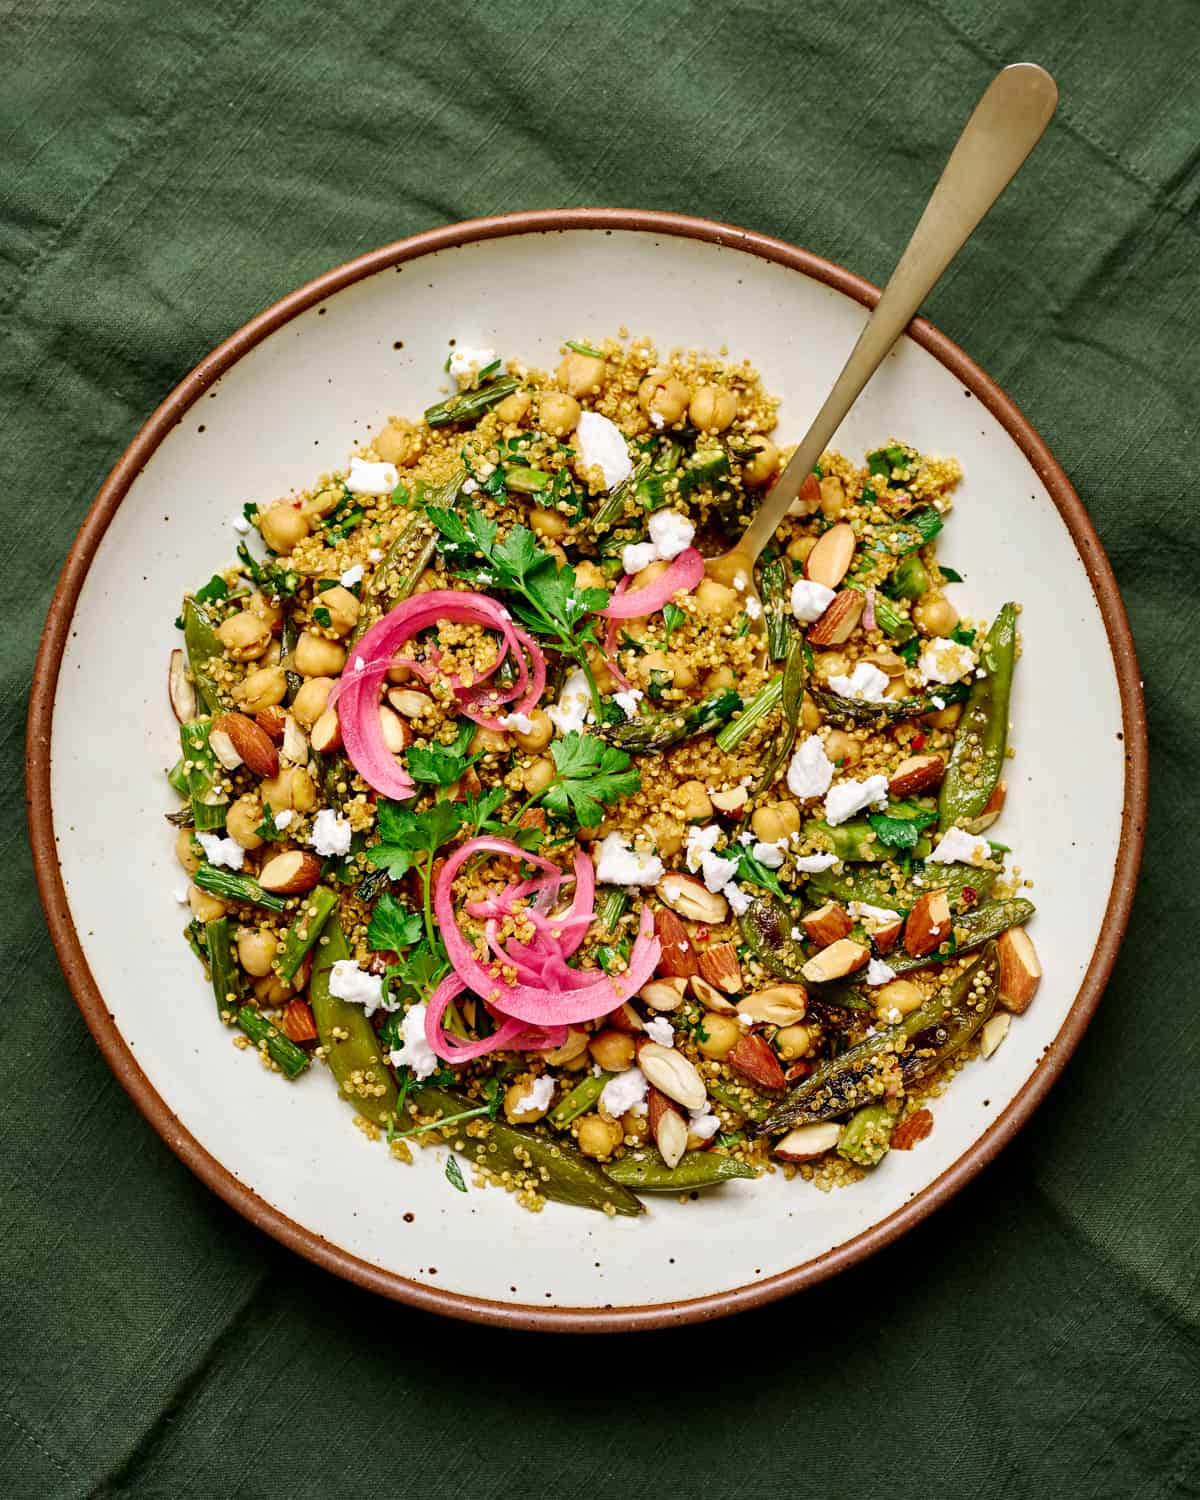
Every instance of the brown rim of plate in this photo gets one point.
(100, 1020)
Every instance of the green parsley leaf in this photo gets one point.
(268, 829)
(673, 618)
(951, 575)
(442, 765)
(454, 1174)
(215, 588)
(963, 635)
(909, 650)
(591, 775)
(754, 871)
(322, 616)
(391, 928)
(900, 832)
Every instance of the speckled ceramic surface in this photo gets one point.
(290, 406)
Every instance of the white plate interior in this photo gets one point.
(294, 407)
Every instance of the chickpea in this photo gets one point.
(547, 522)
(681, 673)
(810, 714)
(256, 951)
(303, 789)
(589, 576)
(598, 1137)
(311, 700)
(558, 414)
(242, 819)
(513, 408)
(398, 443)
(896, 689)
(343, 609)
(777, 821)
(273, 655)
(694, 799)
(718, 678)
(270, 990)
(538, 776)
(244, 636)
(184, 852)
(581, 374)
(764, 463)
(716, 599)
(712, 408)
(934, 614)
(665, 395)
(799, 548)
(634, 1127)
(314, 656)
(667, 833)
(283, 527)
(612, 1050)
(262, 689)
(898, 994)
(539, 734)
(827, 664)
(489, 741)
(322, 502)
(205, 908)
(723, 1034)
(833, 497)
(267, 610)
(792, 1042)
(515, 1115)
(843, 749)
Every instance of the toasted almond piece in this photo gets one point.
(224, 749)
(180, 691)
(730, 801)
(808, 498)
(670, 1072)
(1020, 971)
(663, 994)
(711, 997)
(397, 736)
(692, 899)
(916, 774)
(836, 961)
(409, 701)
(251, 742)
(995, 1029)
(272, 721)
(827, 924)
(807, 1142)
(778, 1004)
(291, 873)
(295, 743)
(991, 811)
(911, 1129)
(326, 734)
(886, 937)
(719, 965)
(667, 1127)
(753, 1059)
(829, 561)
(625, 1019)
(838, 623)
(297, 1021)
(574, 1046)
(928, 923)
(678, 956)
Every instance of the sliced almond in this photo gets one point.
(730, 801)
(667, 1126)
(272, 721)
(692, 899)
(928, 924)
(753, 1059)
(808, 499)
(827, 924)
(326, 734)
(409, 701)
(911, 1129)
(995, 1029)
(887, 935)
(991, 811)
(224, 749)
(711, 997)
(663, 994)
(625, 1019)
(252, 743)
(719, 965)
(670, 1072)
(836, 961)
(397, 736)
(916, 774)
(678, 956)
(778, 1004)
(829, 561)
(1020, 970)
(574, 1047)
(838, 623)
(807, 1142)
(180, 691)
(295, 743)
(291, 873)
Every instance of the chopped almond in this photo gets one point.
(928, 924)
(913, 1128)
(836, 961)
(1020, 971)
(827, 924)
(719, 965)
(297, 1021)
(916, 774)
(678, 957)
(753, 1059)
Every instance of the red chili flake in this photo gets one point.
(969, 895)
(702, 934)
(918, 742)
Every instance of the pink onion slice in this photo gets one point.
(509, 1035)
(684, 574)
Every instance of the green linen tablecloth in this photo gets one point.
(169, 169)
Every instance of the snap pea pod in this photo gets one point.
(177, 778)
(695, 1169)
(866, 1136)
(222, 968)
(231, 887)
(659, 731)
(553, 1168)
(914, 1047)
(354, 1052)
(887, 616)
(981, 740)
(471, 403)
(854, 882)
(741, 1098)
(315, 910)
(756, 708)
(777, 611)
(972, 929)
(766, 927)
(795, 674)
(208, 797)
(202, 643)
(855, 840)
(290, 1059)
(839, 710)
(579, 1100)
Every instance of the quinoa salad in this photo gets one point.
(610, 874)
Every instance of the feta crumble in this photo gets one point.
(522, 723)
(466, 363)
(573, 709)
(878, 972)
(628, 701)
(240, 525)
(330, 834)
(220, 851)
(810, 600)
(700, 842)
(717, 871)
(618, 864)
(602, 446)
(849, 797)
(660, 1030)
(872, 917)
(347, 981)
(702, 1123)
(671, 533)
(813, 864)
(810, 771)
(739, 900)
(945, 661)
(375, 555)
(753, 609)
(623, 1092)
(638, 555)
(351, 576)
(957, 847)
(371, 479)
(866, 684)
(284, 818)
(770, 855)
(538, 1096)
(414, 1051)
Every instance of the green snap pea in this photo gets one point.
(740, 1098)
(648, 1173)
(579, 1100)
(981, 740)
(208, 797)
(866, 1136)
(972, 929)
(766, 927)
(202, 643)
(354, 1052)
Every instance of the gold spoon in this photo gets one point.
(1004, 127)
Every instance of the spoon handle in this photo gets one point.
(1005, 126)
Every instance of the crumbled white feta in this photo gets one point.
(330, 834)
(538, 1095)
(602, 446)
(813, 864)
(347, 981)
(240, 525)
(810, 600)
(957, 847)
(866, 684)
(375, 555)
(700, 841)
(872, 917)
(770, 855)
(282, 819)
(848, 797)
(371, 479)
(522, 723)
(466, 363)
(181, 894)
(717, 872)
(671, 533)
(810, 771)
(945, 661)
(470, 487)
(624, 1092)
(657, 418)
(618, 864)
(220, 851)
(702, 1123)
(739, 900)
(628, 701)
(351, 576)
(414, 1051)
(638, 555)
(660, 1030)
(572, 711)
(878, 972)
(753, 609)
